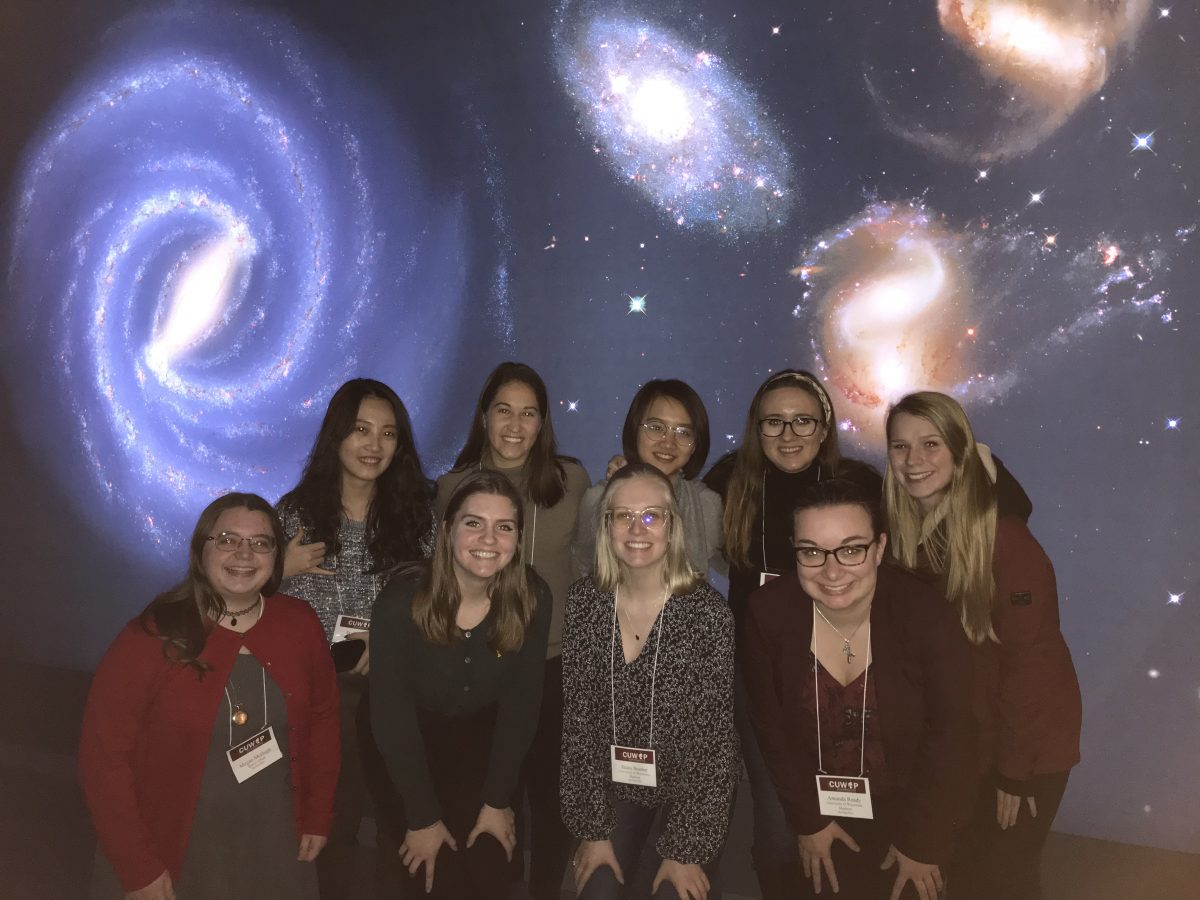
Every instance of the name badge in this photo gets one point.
(764, 577)
(634, 765)
(253, 755)
(845, 797)
(348, 625)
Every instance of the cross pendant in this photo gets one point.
(850, 654)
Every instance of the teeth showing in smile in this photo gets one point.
(240, 571)
(835, 588)
(484, 554)
(638, 545)
(918, 476)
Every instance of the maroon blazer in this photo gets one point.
(148, 722)
(921, 667)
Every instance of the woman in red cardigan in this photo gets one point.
(947, 519)
(210, 751)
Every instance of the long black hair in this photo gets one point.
(399, 515)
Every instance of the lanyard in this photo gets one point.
(862, 747)
(612, 667)
(230, 702)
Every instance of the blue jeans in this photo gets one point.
(633, 840)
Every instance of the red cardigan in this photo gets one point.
(148, 723)
(1027, 694)
(920, 664)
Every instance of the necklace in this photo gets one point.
(633, 626)
(850, 654)
(234, 613)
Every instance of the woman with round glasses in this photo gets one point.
(649, 751)
(363, 506)
(511, 434)
(789, 442)
(949, 520)
(854, 677)
(666, 427)
(460, 645)
(209, 750)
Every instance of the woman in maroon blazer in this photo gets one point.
(855, 671)
(210, 750)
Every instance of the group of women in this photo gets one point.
(888, 664)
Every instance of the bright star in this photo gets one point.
(1175, 599)
(981, 175)
(775, 29)
(1164, 12)
(637, 303)
(572, 406)
(1035, 197)
(1050, 241)
(1142, 142)
(1172, 424)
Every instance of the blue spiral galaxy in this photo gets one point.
(219, 225)
(672, 120)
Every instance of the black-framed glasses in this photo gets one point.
(849, 555)
(228, 542)
(802, 426)
(652, 517)
(658, 431)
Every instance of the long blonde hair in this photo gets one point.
(678, 575)
(958, 535)
(743, 496)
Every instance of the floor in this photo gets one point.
(46, 842)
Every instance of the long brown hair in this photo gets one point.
(514, 601)
(743, 496)
(958, 535)
(183, 616)
(547, 479)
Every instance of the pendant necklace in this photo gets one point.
(850, 654)
(234, 613)
(237, 714)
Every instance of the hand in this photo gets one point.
(1008, 807)
(364, 662)
(615, 465)
(306, 558)
(310, 846)
(816, 852)
(688, 878)
(590, 856)
(925, 877)
(500, 824)
(421, 847)
(159, 889)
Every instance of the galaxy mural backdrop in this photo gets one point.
(217, 213)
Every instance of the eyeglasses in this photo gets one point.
(652, 517)
(850, 555)
(802, 426)
(658, 431)
(228, 542)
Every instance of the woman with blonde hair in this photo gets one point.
(948, 520)
(458, 645)
(649, 751)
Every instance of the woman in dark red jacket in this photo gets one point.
(941, 502)
(854, 671)
(210, 750)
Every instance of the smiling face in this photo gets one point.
(920, 459)
(844, 590)
(512, 423)
(238, 576)
(787, 452)
(637, 544)
(483, 539)
(667, 455)
(367, 451)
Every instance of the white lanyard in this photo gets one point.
(862, 750)
(612, 670)
(533, 540)
(230, 702)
